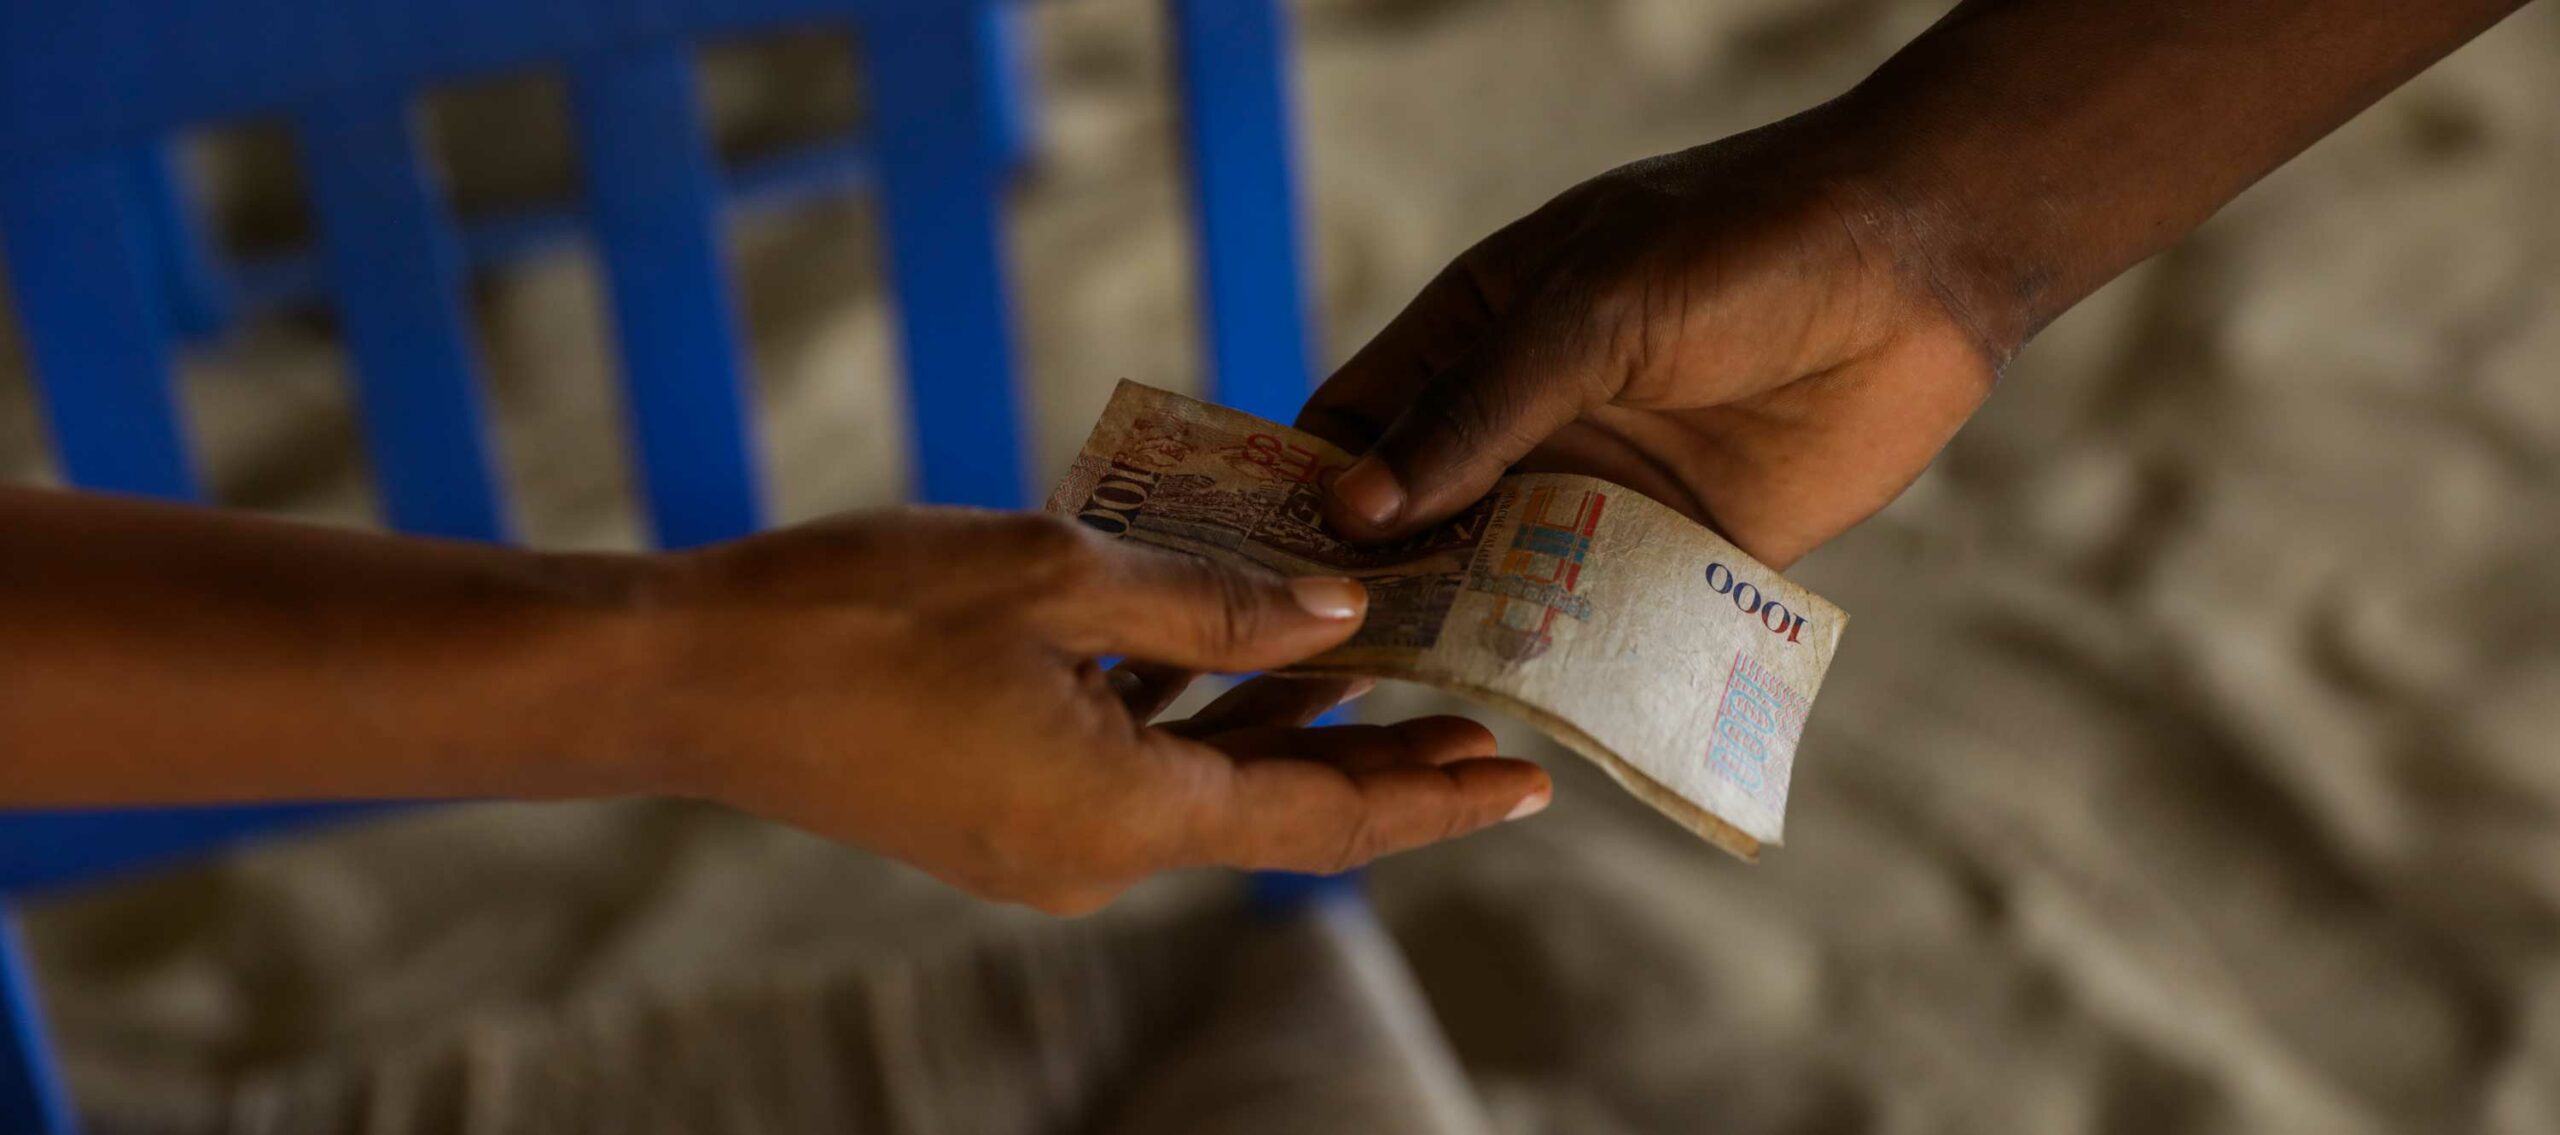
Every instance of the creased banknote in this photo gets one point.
(1629, 633)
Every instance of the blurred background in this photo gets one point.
(2192, 763)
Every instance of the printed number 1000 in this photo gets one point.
(1772, 614)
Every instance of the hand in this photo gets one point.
(1739, 331)
(925, 684)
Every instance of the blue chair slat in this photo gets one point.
(653, 199)
(32, 1098)
(40, 849)
(822, 170)
(396, 268)
(1015, 133)
(197, 301)
(1233, 59)
(94, 317)
(942, 198)
(74, 74)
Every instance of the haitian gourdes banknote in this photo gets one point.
(1626, 631)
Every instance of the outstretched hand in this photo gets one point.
(927, 684)
(1730, 330)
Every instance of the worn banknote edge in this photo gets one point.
(1702, 823)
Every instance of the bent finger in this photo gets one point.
(1358, 401)
(1526, 379)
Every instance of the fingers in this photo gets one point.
(1272, 701)
(1527, 378)
(1304, 816)
(1273, 796)
(1445, 318)
(1189, 612)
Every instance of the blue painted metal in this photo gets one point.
(52, 848)
(1284, 892)
(31, 1094)
(1010, 67)
(942, 197)
(823, 170)
(189, 279)
(1233, 57)
(397, 270)
(653, 196)
(819, 172)
(108, 72)
(89, 301)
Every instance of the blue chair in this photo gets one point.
(109, 274)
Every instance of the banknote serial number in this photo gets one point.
(1746, 596)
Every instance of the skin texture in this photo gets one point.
(1776, 333)
(921, 683)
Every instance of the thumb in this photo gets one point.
(1532, 375)
(1199, 614)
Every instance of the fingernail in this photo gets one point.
(1370, 491)
(1326, 597)
(1530, 805)
(1359, 688)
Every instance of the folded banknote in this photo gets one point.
(1626, 631)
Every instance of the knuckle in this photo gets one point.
(1047, 537)
(1602, 322)
(1235, 614)
(1359, 845)
(1459, 416)
(1057, 554)
(1457, 821)
(1481, 276)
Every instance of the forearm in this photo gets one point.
(152, 653)
(2034, 149)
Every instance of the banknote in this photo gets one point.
(1631, 634)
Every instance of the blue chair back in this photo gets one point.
(108, 273)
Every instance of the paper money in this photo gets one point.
(1626, 631)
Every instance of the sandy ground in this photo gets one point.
(2193, 762)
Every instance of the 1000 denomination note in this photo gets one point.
(1630, 633)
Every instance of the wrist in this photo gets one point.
(604, 662)
(1935, 215)
(715, 660)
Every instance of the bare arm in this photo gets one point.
(162, 654)
(2042, 147)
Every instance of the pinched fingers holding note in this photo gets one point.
(927, 684)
